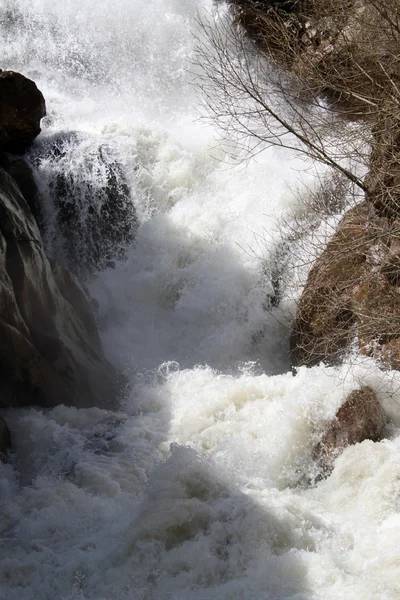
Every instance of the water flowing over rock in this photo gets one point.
(22, 107)
(93, 216)
(359, 418)
(50, 351)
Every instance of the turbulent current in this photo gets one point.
(196, 487)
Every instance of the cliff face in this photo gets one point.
(50, 350)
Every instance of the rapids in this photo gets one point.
(196, 488)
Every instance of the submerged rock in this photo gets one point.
(359, 418)
(5, 440)
(22, 106)
(50, 352)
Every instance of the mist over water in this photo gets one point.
(196, 487)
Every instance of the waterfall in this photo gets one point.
(196, 488)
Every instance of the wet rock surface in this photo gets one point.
(50, 351)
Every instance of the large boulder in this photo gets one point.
(22, 106)
(352, 297)
(93, 218)
(359, 418)
(50, 352)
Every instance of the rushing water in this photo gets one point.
(196, 489)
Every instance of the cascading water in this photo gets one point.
(194, 489)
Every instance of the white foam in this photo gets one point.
(191, 490)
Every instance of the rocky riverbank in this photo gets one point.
(343, 59)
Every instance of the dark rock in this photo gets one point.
(359, 418)
(20, 171)
(22, 106)
(78, 297)
(5, 440)
(94, 216)
(50, 351)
